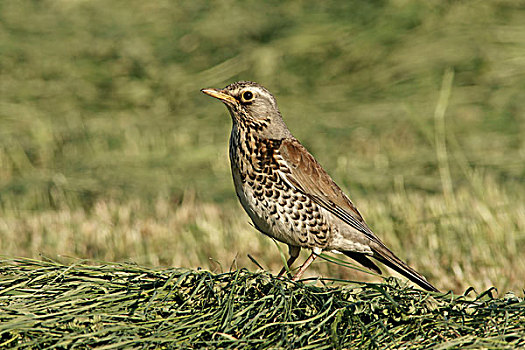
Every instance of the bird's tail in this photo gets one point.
(385, 256)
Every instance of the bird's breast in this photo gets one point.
(275, 208)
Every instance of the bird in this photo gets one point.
(287, 193)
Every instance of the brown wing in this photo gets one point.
(307, 175)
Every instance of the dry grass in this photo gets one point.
(463, 248)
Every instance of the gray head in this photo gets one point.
(252, 106)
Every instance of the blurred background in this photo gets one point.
(108, 150)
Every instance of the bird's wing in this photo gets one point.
(305, 174)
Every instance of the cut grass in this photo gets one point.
(44, 304)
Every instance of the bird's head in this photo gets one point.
(252, 105)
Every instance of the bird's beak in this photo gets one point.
(218, 94)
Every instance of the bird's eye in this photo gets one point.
(247, 96)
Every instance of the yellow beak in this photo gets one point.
(219, 95)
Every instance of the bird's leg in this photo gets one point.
(315, 252)
(293, 251)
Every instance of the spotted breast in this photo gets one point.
(274, 207)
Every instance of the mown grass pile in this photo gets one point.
(44, 304)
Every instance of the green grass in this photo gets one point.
(50, 305)
(109, 151)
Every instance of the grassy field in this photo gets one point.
(108, 150)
